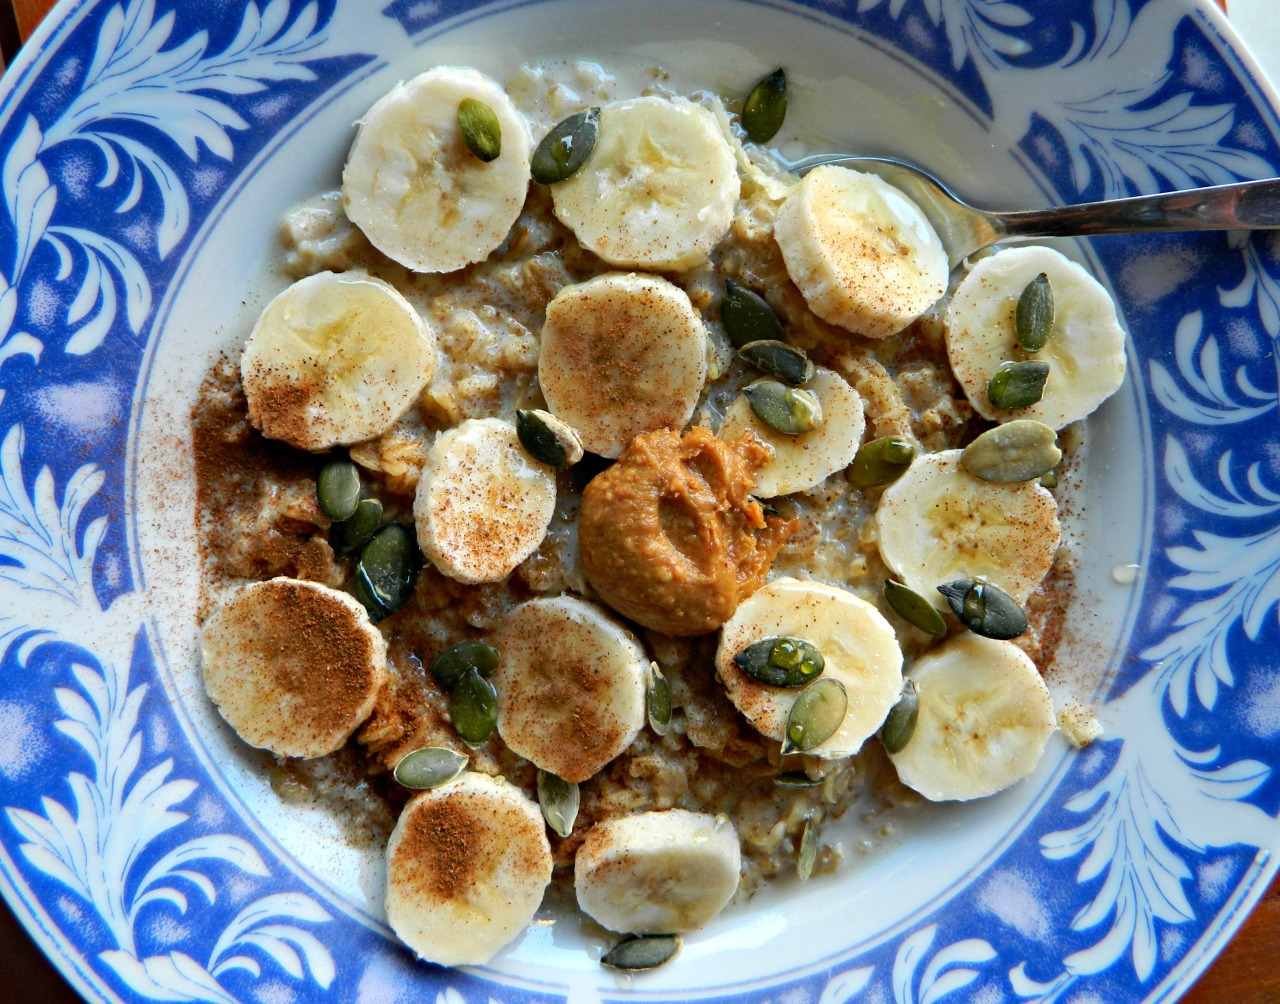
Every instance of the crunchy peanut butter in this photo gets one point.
(670, 535)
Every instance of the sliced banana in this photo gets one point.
(657, 872)
(984, 720)
(467, 864)
(938, 523)
(335, 360)
(483, 504)
(571, 686)
(622, 354)
(862, 253)
(801, 462)
(659, 188)
(293, 666)
(1086, 346)
(410, 183)
(856, 642)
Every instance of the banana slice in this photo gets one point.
(862, 253)
(571, 686)
(1086, 346)
(804, 461)
(985, 718)
(467, 864)
(856, 642)
(938, 523)
(335, 360)
(410, 183)
(293, 666)
(657, 191)
(483, 504)
(657, 872)
(622, 354)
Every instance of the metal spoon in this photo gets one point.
(964, 229)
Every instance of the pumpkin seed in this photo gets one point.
(429, 767)
(797, 780)
(815, 715)
(349, 536)
(984, 608)
(566, 147)
(1048, 480)
(807, 855)
(559, 800)
(474, 708)
(747, 317)
(386, 570)
(914, 608)
(781, 662)
(481, 130)
(790, 410)
(900, 724)
(642, 951)
(1021, 450)
(786, 362)
(881, 461)
(657, 701)
(450, 665)
(1018, 385)
(766, 107)
(338, 489)
(548, 439)
(1033, 318)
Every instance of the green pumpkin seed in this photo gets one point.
(1021, 450)
(765, 107)
(1048, 480)
(474, 708)
(789, 410)
(429, 767)
(566, 147)
(642, 951)
(481, 130)
(657, 701)
(914, 608)
(807, 855)
(1018, 385)
(1033, 318)
(338, 489)
(882, 461)
(559, 801)
(797, 780)
(984, 608)
(781, 662)
(816, 715)
(386, 570)
(747, 317)
(350, 536)
(547, 439)
(450, 665)
(786, 362)
(900, 725)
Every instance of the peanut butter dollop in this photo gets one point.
(670, 535)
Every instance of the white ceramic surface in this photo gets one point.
(145, 156)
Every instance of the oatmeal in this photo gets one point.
(554, 617)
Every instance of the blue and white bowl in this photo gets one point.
(145, 149)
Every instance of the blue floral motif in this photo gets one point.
(166, 903)
(97, 847)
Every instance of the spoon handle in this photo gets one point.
(1251, 205)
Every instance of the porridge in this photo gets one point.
(614, 503)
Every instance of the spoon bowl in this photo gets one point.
(965, 229)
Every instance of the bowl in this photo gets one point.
(147, 153)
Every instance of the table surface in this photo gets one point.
(1247, 971)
